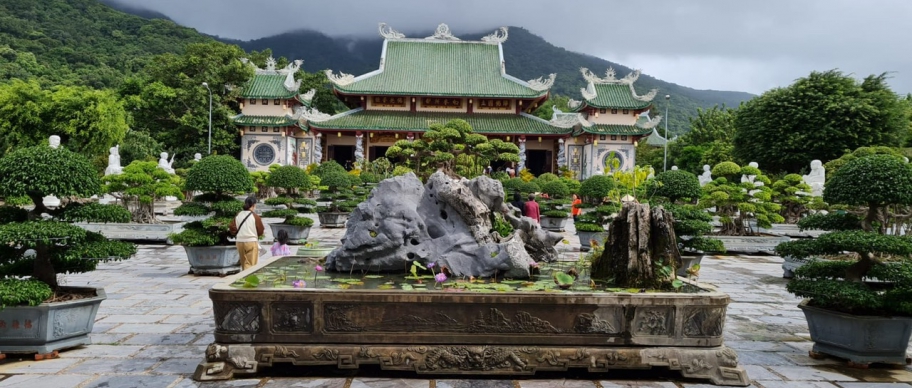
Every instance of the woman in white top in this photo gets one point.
(247, 227)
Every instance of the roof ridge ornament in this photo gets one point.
(309, 95)
(311, 115)
(291, 84)
(646, 97)
(498, 36)
(270, 63)
(541, 84)
(589, 91)
(342, 79)
(442, 33)
(651, 123)
(567, 120)
(610, 77)
(573, 104)
(388, 32)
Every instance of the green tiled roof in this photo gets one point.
(266, 86)
(469, 69)
(264, 121)
(616, 129)
(419, 122)
(616, 96)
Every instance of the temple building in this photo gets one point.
(436, 79)
(269, 121)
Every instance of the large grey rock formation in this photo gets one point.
(446, 221)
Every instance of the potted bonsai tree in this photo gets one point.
(337, 194)
(691, 223)
(793, 195)
(554, 217)
(44, 316)
(859, 309)
(742, 200)
(590, 225)
(207, 242)
(292, 180)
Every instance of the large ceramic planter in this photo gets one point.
(438, 332)
(586, 237)
(751, 244)
(49, 327)
(295, 233)
(860, 339)
(134, 232)
(553, 223)
(333, 219)
(217, 260)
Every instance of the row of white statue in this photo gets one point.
(816, 178)
(115, 168)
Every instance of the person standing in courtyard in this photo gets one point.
(532, 209)
(518, 203)
(247, 227)
(280, 248)
(574, 209)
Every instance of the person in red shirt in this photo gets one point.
(532, 209)
(575, 211)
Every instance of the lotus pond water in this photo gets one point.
(298, 272)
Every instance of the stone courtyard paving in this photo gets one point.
(153, 329)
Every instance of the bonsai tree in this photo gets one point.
(218, 178)
(690, 222)
(291, 179)
(793, 195)
(34, 249)
(737, 202)
(876, 182)
(558, 192)
(140, 185)
(336, 188)
(860, 152)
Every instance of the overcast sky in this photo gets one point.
(705, 44)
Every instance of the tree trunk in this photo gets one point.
(43, 269)
(640, 243)
(874, 215)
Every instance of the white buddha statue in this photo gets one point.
(751, 178)
(706, 176)
(54, 141)
(51, 200)
(816, 178)
(197, 157)
(114, 166)
(674, 168)
(165, 164)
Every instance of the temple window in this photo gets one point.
(265, 102)
(263, 129)
(253, 101)
(624, 137)
(614, 137)
(626, 111)
(603, 110)
(276, 102)
(614, 111)
(276, 129)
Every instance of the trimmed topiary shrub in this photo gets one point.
(219, 178)
(792, 194)
(556, 189)
(676, 185)
(289, 178)
(58, 246)
(873, 181)
(594, 189)
(141, 185)
(572, 184)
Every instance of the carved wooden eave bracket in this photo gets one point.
(541, 84)
(343, 79)
(498, 36)
(387, 32)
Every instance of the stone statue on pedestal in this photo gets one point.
(197, 157)
(751, 178)
(165, 164)
(54, 141)
(816, 178)
(706, 176)
(114, 166)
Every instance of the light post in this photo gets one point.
(210, 117)
(667, 102)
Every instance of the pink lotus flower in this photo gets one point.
(440, 278)
(299, 284)
(318, 268)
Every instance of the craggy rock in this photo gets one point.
(447, 221)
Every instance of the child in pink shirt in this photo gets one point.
(280, 248)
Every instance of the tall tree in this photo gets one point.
(88, 121)
(819, 117)
(169, 102)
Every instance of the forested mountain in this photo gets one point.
(82, 42)
(527, 56)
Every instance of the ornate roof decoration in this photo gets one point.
(291, 84)
(270, 64)
(567, 120)
(311, 114)
(309, 95)
(573, 104)
(541, 84)
(342, 79)
(589, 91)
(610, 77)
(498, 36)
(651, 123)
(388, 32)
(646, 97)
(442, 33)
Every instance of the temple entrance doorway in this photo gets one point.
(376, 152)
(343, 154)
(538, 161)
